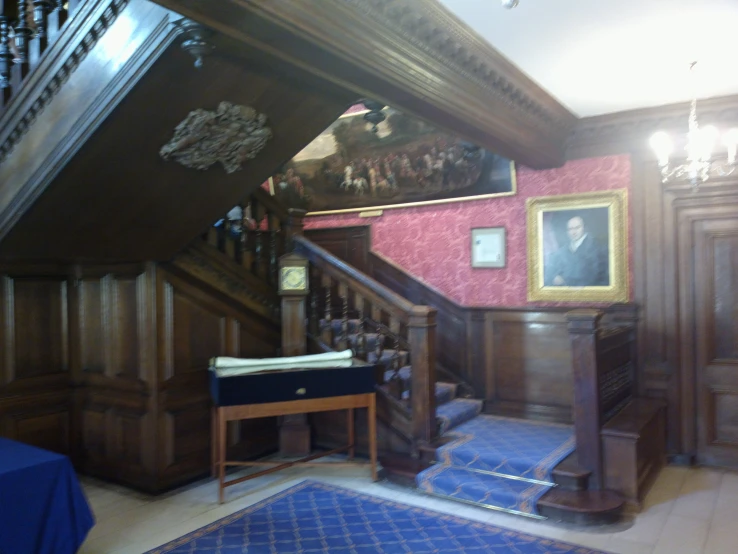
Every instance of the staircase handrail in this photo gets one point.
(420, 322)
(336, 267)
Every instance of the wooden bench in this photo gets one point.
(634, 448)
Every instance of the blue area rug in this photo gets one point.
(315, 517)
(499, 462)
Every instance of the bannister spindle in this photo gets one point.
(22, 32)
(361, 331)
(327, 331)
(343, 293)
(258, 239)
(6, 56)
(273, 226)
(41, 10)
(314, 301)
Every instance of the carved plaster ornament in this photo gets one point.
(230, 135)
(195, 39)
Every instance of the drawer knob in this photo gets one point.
(300, 391)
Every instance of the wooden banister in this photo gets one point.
(587, 423)
(603, 363)
(367, 287)
(406, 326)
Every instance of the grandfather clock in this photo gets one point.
(294, 431)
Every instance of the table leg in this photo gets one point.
(351, 436)
(372, 417)
(214, 442)
(222, 424)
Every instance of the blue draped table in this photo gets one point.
(42, 507)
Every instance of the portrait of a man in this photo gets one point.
(578, 247)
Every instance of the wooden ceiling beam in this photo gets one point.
(411, 54)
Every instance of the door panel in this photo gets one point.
(716, 340)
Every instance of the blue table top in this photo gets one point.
(42, 507)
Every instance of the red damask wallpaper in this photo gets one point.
(433, 242)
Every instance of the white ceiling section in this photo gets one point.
(603, 56)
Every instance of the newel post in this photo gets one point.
(294, 226)
(583, 326)
(422, 339)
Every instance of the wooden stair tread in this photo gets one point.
(568, 467)
(585, 502)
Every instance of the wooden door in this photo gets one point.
(716, 340)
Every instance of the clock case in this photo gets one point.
(293, 260)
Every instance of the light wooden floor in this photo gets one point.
(689, 511)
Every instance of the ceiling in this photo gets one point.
(603, 56)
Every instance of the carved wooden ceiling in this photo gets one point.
(411, 54)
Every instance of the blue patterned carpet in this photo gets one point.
(499, 462)
(315, 517)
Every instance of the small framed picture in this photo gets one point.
(488, 247)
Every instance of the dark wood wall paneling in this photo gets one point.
(683, 248)
(518, 360)
(108, 364)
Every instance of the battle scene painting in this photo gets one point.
(349, 167)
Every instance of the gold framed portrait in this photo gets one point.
(578, 247)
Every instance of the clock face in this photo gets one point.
(294, 278)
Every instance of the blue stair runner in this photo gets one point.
(496, 462)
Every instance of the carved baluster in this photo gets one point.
(229, 246)
(6, 56)
(41, 10)
(327, 331)
(397, 387)
(314, 301)
(273, 224)
(343, 339)
(258, 239)
(247, 223)
(22, 32)
(361, 330)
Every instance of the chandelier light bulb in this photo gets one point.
(708, 136)
(730, 140)
(510, 4)
(663, 146)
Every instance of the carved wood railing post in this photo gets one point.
(294, 226)
(6, 57)
(422, 339)
(327, 331)
(22, 33)
(583, 326)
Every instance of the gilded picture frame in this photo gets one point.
(405, 163)
(578, 247)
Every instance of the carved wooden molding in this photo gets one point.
(433, 29)
(630, 131)
(63, 58)
(231, 134)
(411, 54)
(198, 266)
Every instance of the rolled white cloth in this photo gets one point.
(227, 367)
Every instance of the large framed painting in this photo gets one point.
(406, 162)
(578, 247)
